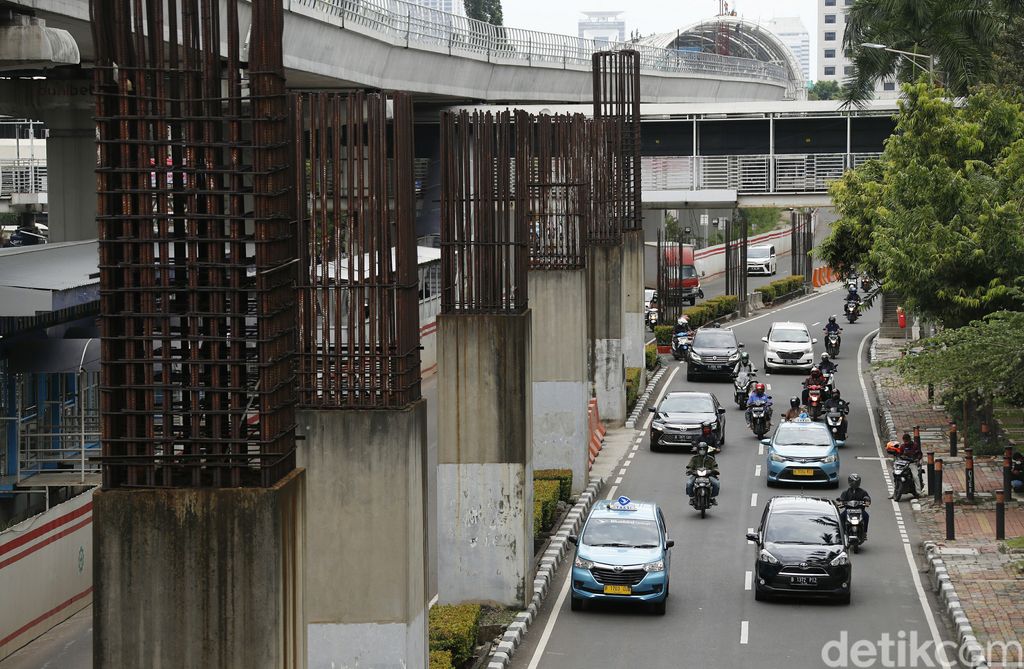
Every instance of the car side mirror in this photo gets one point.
(840, 443)
(740, 345)
(573, 539)
(721, 410)
(669, 544)
(814, 340)
(703, 273)
(766, 442)
(764, 339)
(652, 409)
(752, 536)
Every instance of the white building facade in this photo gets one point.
(451, 6)
(832, 64)
(792, 32)
(602, 26)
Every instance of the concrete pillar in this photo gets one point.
(558, 300)
(366, 567)
(633, 298)
(605, 328)
(484, 470)
(199, 577)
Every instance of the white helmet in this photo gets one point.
(682, 320)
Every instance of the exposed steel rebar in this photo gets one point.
(617, 179)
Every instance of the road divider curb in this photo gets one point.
(971, 650)
(641, 402)
(502, 653)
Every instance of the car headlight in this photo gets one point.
(765, 556)
(840, 560)
(693, 356)
(657, 565)
(582, 564)
(734, 357)
(775, 457)
(829, 459)
(659, 426)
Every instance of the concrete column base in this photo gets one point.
(199, 577)
(605, 329)
(366, 550)
(610, 380)
(633, 299)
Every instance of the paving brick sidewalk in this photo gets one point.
(988, 578)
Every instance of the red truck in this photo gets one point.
(679, 273)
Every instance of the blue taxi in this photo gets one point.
(622, 555)
(802, 451)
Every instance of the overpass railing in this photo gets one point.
(22, 175)
(778, 173)
(413, 25)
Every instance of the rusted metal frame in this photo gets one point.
(616, 91)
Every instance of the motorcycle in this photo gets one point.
(865, 283)
(742, 383)
(680, 345)
(854, 522)
(701, 498)
(832, 344)
(652, 319)
(903, 478)
(836, 423)
(830, 378)
(815, 402)
(760, 418)
(852, 310)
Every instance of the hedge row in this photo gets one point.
(651, 356)
(564, 478)
(632, 386)
(545, 505)
(663, 334)
(781, 287)
(441, 659)
(709, 310)
(453, 628)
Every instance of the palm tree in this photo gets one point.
(959, 35)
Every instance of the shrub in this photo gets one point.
(780, 287)
(563, 476)
(441, 659)
(538, 518)
(709, 310)
(453, 628)
(547, 493)
(632, 386)
(651, 356)
(663, 334)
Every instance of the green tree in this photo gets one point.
(938, 218)
(488, 11)
(823, 90)
(760, 219)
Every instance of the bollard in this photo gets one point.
(952, 440)
(969, 472)
(1007, 463)
(937, 491)
(917, 436)
(984, 432)
(1000, 515)
(947, 498)
(931, 471)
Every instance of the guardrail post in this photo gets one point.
(1000, 515)
(950, 525)
(952, 440)
(969, 473)
(937, 492)
(931, 471)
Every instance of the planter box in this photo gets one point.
(664, 348)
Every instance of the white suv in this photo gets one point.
(762, 259)
(788, 346)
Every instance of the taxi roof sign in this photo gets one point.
(623, 503)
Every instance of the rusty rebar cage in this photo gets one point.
(553, 187)
(197, 245)
(358, 279)
(616, 91)
(484, 249)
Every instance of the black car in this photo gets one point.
(678, 418)
(801, 550)
(713, 351)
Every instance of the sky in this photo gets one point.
(652, 16)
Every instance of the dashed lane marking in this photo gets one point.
(744, 632)
(753, 499)
(748, 580)
(757, 471)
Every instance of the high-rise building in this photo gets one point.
(603, 26)
(832, 64)
(792, 32)
(451, 6)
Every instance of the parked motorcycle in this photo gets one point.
(815, 401)
(854, 522)
(680, 345)
(903, 478)
(701, 498)
(836, 422)
(652, 318)
(852, 310)
(743, 384)
(832, 344)
(760, 418)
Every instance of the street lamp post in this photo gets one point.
(910, 55)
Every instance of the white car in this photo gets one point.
(762, 259)
(788, 346)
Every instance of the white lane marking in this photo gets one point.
(625, 464)
(661, 394)
(545, 636)
(744, 632)
(750, 530)
(767, 386)
(760, 449)
(907, 552)
(797, 303)
(757, 471)
(748, 580)
(813, 324)
(753, 499)
(632, 453)
(618, 480)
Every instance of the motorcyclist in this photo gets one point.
(758, 395)
(835, 401)
(708, 436)
(832, 327)
(794, 410)
(851, 293)
(856, 493)
(909, 450)
(682, 325)
(703, 460)
(826, 365)
(815, 379)
(743, 365)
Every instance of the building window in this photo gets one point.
(830, 3)
(830, 18)
(889, 86)
(847, 69)
(830, 37)
(830, 53)
(830, 71)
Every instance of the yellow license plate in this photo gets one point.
(618, 590)
(803, 472)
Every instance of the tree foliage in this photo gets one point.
(982, 359)
(760, 219)
(824, 90)
(488, 11)
(938, 218)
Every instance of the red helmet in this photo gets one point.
(758, 387)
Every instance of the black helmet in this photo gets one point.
(702, 448)
(835, 393)
(831, 319)
(906, 436)
(854, 480)
(794, 402)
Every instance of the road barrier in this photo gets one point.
(597, 431)
(822, 276)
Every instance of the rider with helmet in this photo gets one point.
(827, 367)
(832, 327)
(759, 395)
(703, 460)
(794, 410)
(815, 379)
(744, 364)
(856, 493)
(835, 401)
(682, 325)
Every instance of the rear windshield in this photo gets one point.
(628, 531)
(803, 528)
(687, 404)
(758, 252)
(715, 339)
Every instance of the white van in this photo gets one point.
(761, 259)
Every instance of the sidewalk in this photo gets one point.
(985, 575)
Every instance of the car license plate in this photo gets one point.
(803, 580)
(803, 472)
(618, 590)
(714, 367)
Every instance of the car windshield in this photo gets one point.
(803, 528)
(715, 340)
(789, 336)
(815, 434)
(648, 294)
(687, 404)
(757, 252)
(687, 272)
(621, 532)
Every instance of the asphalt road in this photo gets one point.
(713, 620)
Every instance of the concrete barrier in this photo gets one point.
(597, 432)
(45, 571)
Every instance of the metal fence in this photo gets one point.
(197, 245)
(752, 174)
(413, 25)
(358, 282)
(22, 175)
